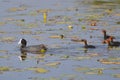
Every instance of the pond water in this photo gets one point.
(64, 60)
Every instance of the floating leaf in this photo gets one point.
(3, 56)
(93, 54)
(70, 27)
(82, 57)
(106, 61)
(39, 70)
(26, 32)
(31, 25)
(14, 9)
(53, 64)
(83, 27)
(7, 39)
(4, 69)
(82, 69)
(9, 19)
(65, 57)
(2, 23)
(3, 51)
(18, 70)
(2, 32)
(118, 22)
(55, 36)
(117, 75)
(95, 71)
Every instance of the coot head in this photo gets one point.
(22, 43)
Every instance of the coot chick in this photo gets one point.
(105, 35)
(32, 49)
(86, 45)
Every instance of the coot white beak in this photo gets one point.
(19, 43)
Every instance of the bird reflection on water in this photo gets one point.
(40, 57)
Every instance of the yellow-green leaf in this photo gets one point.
(41, 70)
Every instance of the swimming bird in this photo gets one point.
(112, 43)
(86, 45)
(105, 35)
(41, 48)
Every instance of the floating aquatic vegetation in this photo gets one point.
(114, 68)
(3, 51)
(93, 54)
(80, 19)
(38, 32)
(116, 75)
(83, 27)
(26, 32)
(53, 64)
(81, 69)
(100, 2)
(43, 10)
(9, 19)
(60, 19)
(82, 57)
(18, 70)
(41, 78)
(57, 36)
(31, 25)
(3, 32)
(7, 39)
(2, 23)
(39, 70)
(98, 71)
(33, 13)
(3, 56)
(87, 70)
(109, 61)
(3, 68)
(65, 57)
(14, 9)
(69, 76)
(70, 27)
(118, 22)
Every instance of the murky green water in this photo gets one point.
(64, 60)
